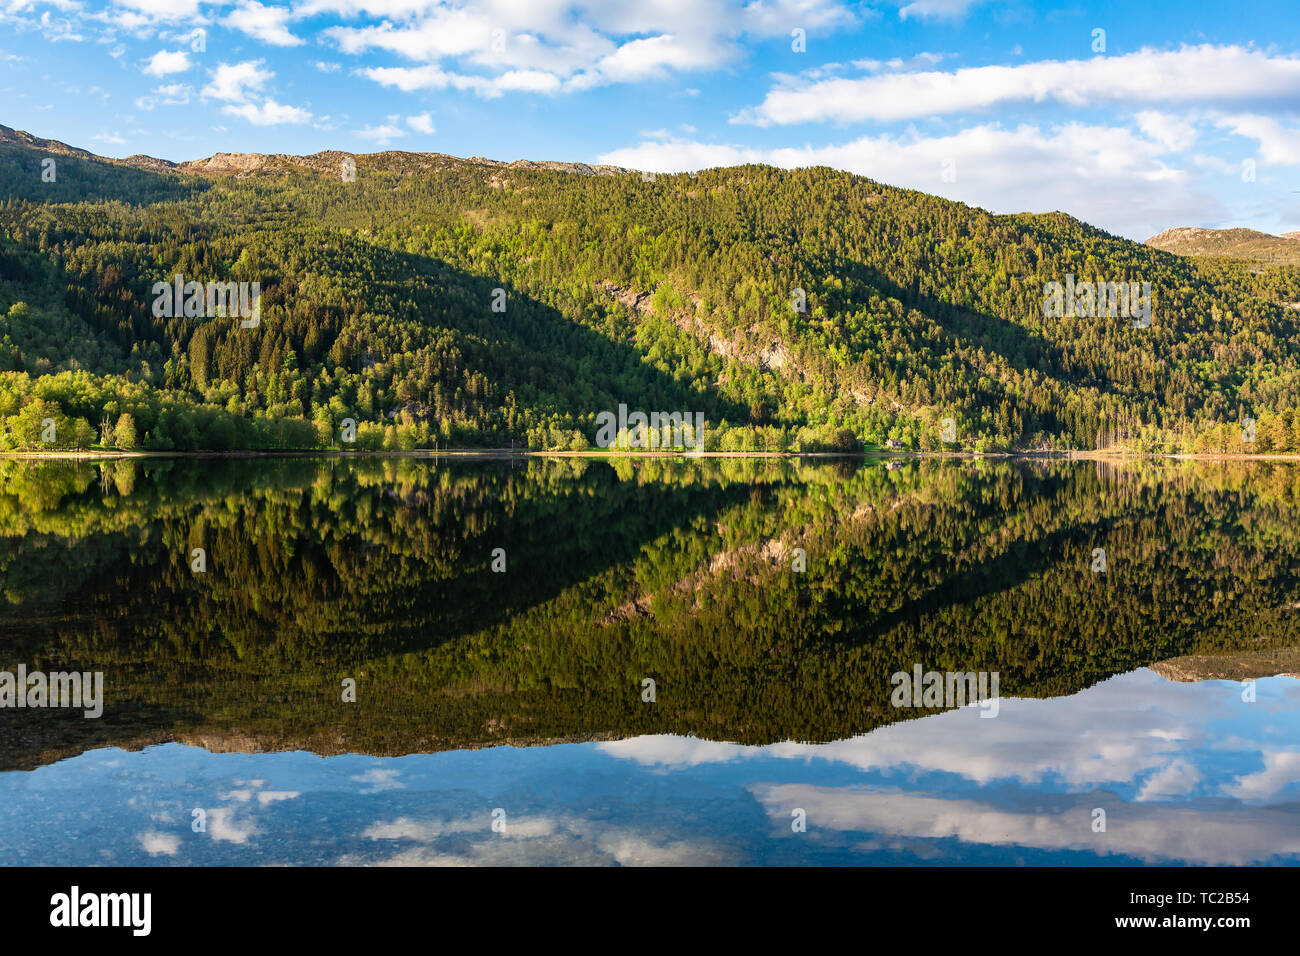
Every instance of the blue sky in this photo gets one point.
(1180, 113)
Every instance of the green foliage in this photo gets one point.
(674, 295)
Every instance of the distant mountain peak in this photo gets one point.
(1237, 243)
(325, 161)
(17, 137)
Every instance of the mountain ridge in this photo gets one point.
(1235, 242)
(322, 161)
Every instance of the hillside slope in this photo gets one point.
(470, 302)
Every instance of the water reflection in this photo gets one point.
(772, 684)
(1185, 772)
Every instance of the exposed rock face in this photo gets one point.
(1192, 235)
(18, 138)
(151, 163)
(226, 163)
(1240, 243)
(581, 169)
(746, 346)
(1238, 667)
(330, 162)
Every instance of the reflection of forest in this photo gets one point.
(379, 569)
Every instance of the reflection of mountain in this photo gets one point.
(379, 570)
(1239, 667)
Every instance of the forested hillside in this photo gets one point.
(470, 303)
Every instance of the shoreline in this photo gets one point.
(507, 453)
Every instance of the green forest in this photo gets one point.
(436, 301)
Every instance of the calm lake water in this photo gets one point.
(318, 661)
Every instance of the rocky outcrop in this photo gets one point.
(1235, 667)
(16, 138)
(1238, 243)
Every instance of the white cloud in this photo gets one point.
(654, 56)
(166, 10)
(778, 17)
(936, 9)
(423, 123)
(1277, 144)
(233, 82)
(451, 33)
(1175, 133)
(270, 113)
(59, 30)
(165, 62)
(389, 9)
(562, 46)
(381, 135)
(268, 24)
(435, 78)
(171, 94)
(1199, 74)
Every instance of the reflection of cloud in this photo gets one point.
(532, 841)
(160, 844)
(1176, 780)
(1055, 822)
(275, 796)
(676, 751)
(225, 826)
(1138, 729)
(234, 824)
(379, 779)
(633, 849)
(429, 830)
(1281, 771)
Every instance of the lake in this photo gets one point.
(652, 661)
